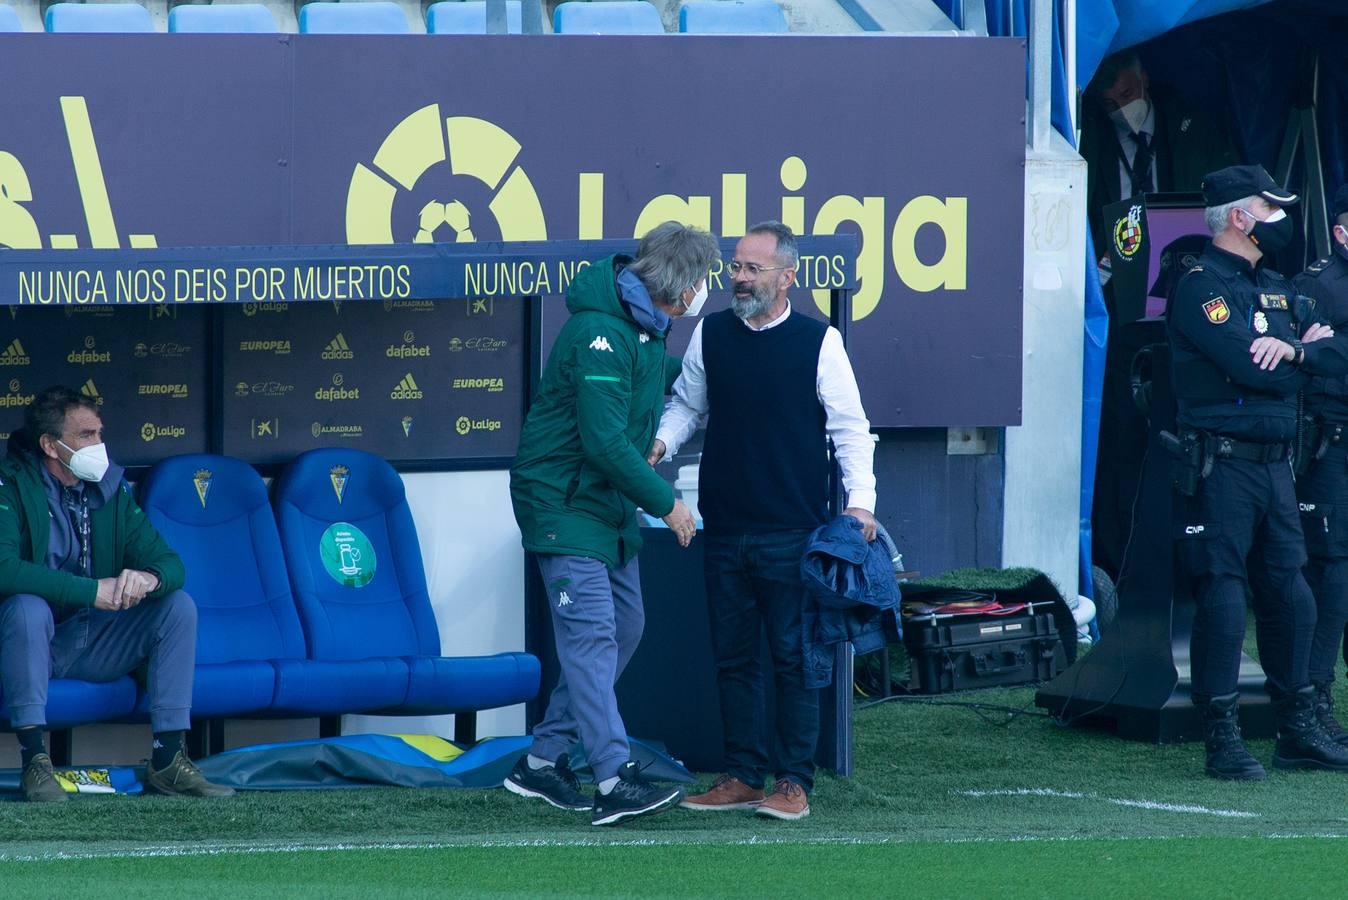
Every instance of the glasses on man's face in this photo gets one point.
(753, 270)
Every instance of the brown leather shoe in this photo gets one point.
(181, 778)
(787, 801)
(39, 782)
(726, 792)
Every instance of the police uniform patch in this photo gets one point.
(1260, 322)
(1273, 301)
(1216, 310)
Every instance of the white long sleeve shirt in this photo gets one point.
(836, 387)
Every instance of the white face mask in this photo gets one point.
(1132, 114)
(692, 309)
(88, 463)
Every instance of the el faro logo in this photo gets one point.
(485, 153)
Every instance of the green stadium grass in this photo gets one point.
(1119, 868)
(946, 800)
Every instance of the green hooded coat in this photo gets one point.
(581, 471)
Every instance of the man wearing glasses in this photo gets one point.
(88, 590)
(773, 386)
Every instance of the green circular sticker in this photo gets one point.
(347, 555)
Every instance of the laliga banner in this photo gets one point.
(916, 145)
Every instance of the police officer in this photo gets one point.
(1323, 488)
(1241, 352)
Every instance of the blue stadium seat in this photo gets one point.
(71, 702)
(356, 571)
(224, 18)
(9, 19)
(607, 17)
(98, 18)
(468, 17)
(251, 653)
(732, 17)
(374, 17)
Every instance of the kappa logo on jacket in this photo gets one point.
(600, 343)
(563, 600)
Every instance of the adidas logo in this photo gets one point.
(337, 349)
(14, 355)
(407, 389)
(600, 343)
(90, 390)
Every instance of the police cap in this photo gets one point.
(1238, 182)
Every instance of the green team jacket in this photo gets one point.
(123, 538)
(581, 471)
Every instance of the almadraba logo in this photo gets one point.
(470, 147)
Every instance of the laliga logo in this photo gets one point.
(472, 147)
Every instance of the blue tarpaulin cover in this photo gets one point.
(366, 760)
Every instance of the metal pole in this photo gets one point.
(1069, 39)
(496, 17)
(531, 16)
(1041, 72)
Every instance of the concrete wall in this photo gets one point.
(1042, 499)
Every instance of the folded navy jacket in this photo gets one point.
(852, 594)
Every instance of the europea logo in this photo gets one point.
(280, 348)
(176, 391)
(483, 151)
(491, 385)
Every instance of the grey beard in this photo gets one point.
(751, 307)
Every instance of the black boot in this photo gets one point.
(1324, 714)
(1302, 744)
(1227, 756)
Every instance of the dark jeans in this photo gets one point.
(753, 581)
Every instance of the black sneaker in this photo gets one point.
(556, 784)
(632, 796)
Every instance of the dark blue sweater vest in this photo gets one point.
(764, 460)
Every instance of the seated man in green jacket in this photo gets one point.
(578, 477)
(88, 590)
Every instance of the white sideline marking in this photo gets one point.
(1117, 801)
(245, 849)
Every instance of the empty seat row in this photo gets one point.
(311, 604)
(382, 17)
